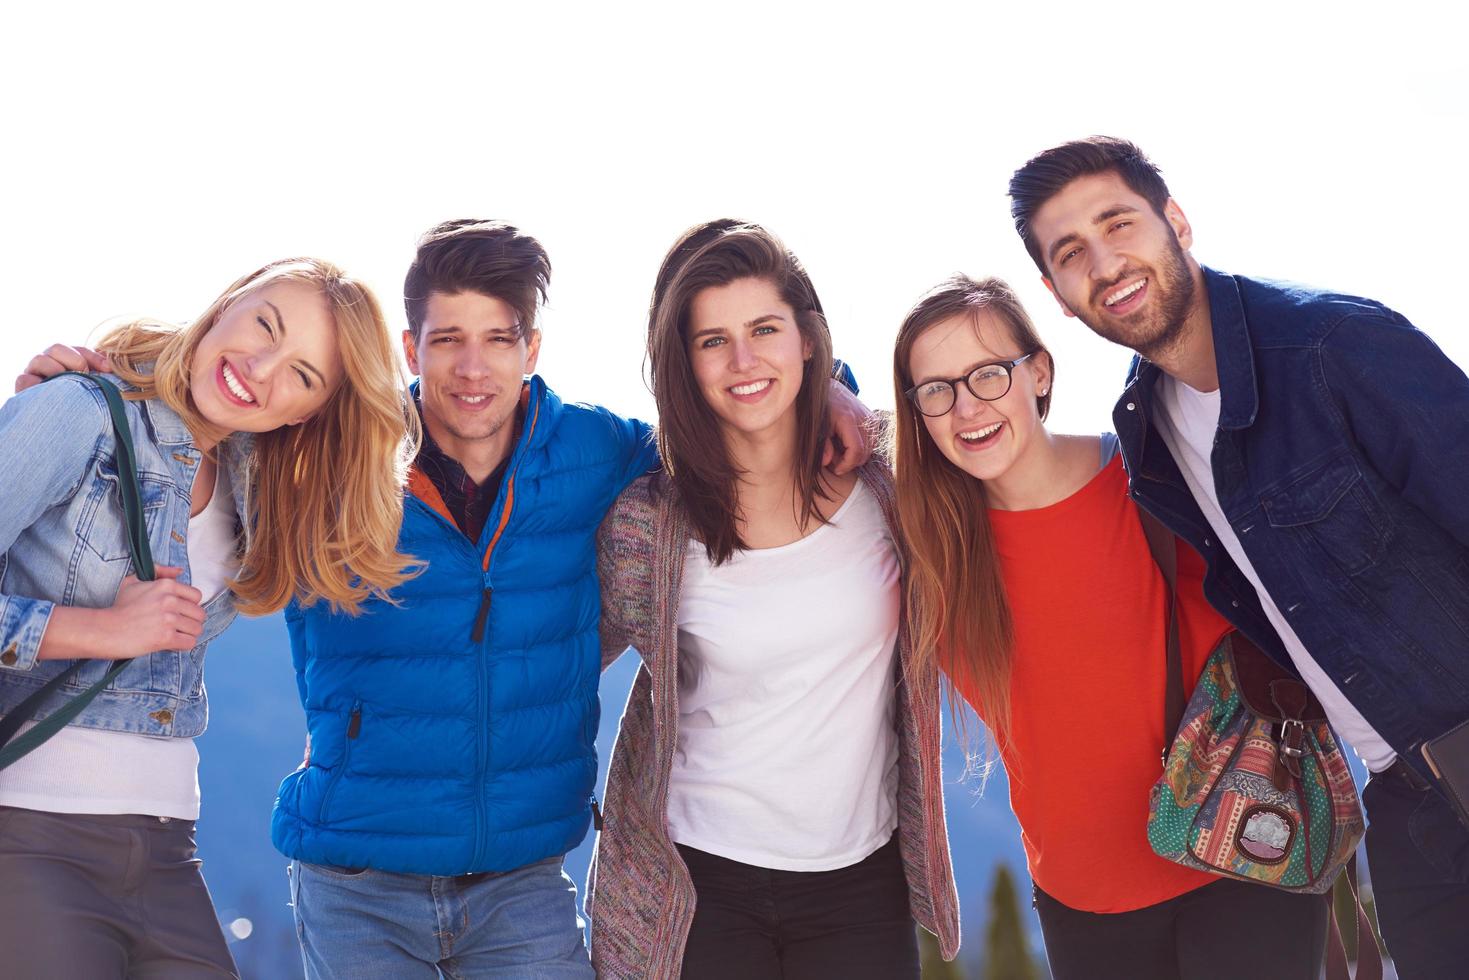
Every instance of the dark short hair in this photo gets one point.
(470, 255)
(1045, 174)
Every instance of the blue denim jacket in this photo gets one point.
(1341, 463)
(63, 541)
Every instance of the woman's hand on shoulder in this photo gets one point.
(58, 359)
(164, 614)
(853, 431)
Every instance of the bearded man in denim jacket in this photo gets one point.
(1310, 445)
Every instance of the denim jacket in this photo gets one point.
(63, 540)
(1340, 463)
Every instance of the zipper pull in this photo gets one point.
(354, 726)
(478, 633)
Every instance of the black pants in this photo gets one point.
(753, 923)
(1226, 930)
(1418, 853)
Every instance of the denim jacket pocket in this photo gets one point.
(107, 538)
(1331, 507)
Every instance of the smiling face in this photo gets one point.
(271, 359)
(1116, 264)
(471, 354)
(747, 354)
(982, 438)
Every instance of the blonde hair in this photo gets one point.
(325, 501)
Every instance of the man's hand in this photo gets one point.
(59, 358)
(853, 431)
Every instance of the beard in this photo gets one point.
(1150, 332)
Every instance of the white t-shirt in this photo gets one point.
(787, 752)
(1187, 420)
(90, 770)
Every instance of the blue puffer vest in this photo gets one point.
(452, 730)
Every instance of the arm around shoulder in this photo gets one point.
(625, 560)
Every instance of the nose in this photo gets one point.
(472, 364)
(1107, 262)
(966, 404)
(741, 355)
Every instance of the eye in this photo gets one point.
(765, 328)
(304, 379)
(933, 388)
(1121, 225)
(990, 372)
(445, 339)
(502, 340)
(709, 342)
(1068, 255)
(265, 324)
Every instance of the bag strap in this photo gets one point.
(13, 747)
(1369, 954)
(1164, 547)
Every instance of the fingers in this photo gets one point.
(849, 455)
(166, 571)
(95, 361)
(828, 451)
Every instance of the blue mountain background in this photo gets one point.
(256, 736)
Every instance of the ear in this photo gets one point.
(1042, 371)
(1182, 230)
(532, 350)
(1059, 301)
(410, 351)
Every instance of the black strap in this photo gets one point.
(1164, 547)
(13, 747)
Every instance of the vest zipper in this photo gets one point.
(354, 728)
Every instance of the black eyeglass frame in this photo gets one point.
(912, 393)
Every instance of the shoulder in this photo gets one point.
(577, 427)
(77, 398)
(1289, 314)
(638, 507)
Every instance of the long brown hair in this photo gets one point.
(718, 253)
(956, 606)
(325, 498)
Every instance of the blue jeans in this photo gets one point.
(363, 925)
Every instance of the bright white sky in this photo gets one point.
(155, 151)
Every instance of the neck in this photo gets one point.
(1038, 478)
(764, 459)
(479, 457)
(1190, 357)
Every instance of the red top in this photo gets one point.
(1087, 690)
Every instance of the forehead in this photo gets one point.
(1073, 208)
(468, 310)
(958, 343)
(736, 303)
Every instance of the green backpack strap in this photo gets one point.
(13, 747)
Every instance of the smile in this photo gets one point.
(752, 388)
(233, 385)
(981, 436)
(473, 401)
(1122, 295)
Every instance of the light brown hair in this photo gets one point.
(957, 611)
(325, 499)
(689, 439)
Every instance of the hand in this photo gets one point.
(853, 431)
(164, 614)
(58, 358)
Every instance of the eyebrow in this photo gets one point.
(1107, 215)
(280, 325)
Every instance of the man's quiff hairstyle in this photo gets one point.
(1044, 175)
(470, 255)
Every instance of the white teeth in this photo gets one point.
(233, 383)
(1122, 294)
(751, 388)
(472, 399)
(988, 430)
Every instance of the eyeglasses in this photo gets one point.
(988, 382)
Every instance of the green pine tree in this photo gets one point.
(1007, 954)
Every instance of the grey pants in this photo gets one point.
(105, 897)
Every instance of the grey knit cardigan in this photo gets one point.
(639, 894)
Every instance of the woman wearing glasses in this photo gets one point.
(1031, 582)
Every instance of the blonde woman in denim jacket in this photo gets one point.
(236, 422)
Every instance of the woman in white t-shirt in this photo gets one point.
(235, 423)
(773, 807)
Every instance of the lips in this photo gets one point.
(751, 391)
(1126, 297)
(982, 437)
(472, 401)
(232, 387)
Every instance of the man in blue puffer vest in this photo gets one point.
(451, 731)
